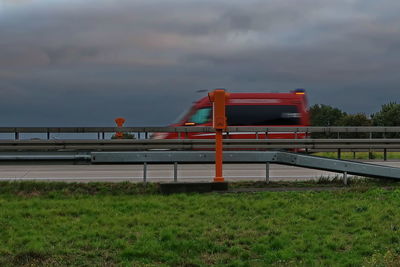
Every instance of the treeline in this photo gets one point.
(325, 115)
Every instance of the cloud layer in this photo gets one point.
(86, 62)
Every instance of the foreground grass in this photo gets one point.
(355, 226)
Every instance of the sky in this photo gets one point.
(84, 63)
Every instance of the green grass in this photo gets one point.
(359, 155)
(65, 224)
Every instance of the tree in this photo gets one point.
(358, 119)
(389, 115)
(324, 115)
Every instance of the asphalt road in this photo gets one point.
(157, 173)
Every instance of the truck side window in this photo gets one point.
(257, 115)
(201, 116)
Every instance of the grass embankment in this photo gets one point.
(359, 155)
(105, 225)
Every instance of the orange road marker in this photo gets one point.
(120, 122)
(219, 98)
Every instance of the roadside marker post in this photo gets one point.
(120, 122)
(219, 98)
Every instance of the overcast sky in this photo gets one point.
(83, 63)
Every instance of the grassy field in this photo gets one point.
(131, 225)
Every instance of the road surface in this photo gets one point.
(160, 173)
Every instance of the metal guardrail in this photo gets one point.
(310, 129)
(207, 157)
(305, 145)
(146, 130)
(267, 157)
(185, 144)
(308, 145)
(102, 144)
(45, 156)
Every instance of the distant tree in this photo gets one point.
(389, 115)
(324, 115)
(358, 119)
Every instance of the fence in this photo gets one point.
(267, 157)
(142, 141)
(303, 145)
(144, 132)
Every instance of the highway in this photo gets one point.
(160, 173)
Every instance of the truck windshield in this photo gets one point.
(201, 116)
(245, 115)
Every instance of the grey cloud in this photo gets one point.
(129, 57)
(71, 54)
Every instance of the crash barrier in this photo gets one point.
(145, 132)
(277, 157)
(305, 145)
(46, 157)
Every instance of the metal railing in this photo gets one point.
(267, 157)
(145, 131)
(189, 144)
(304, 145)
(142, 141)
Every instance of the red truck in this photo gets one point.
(249, 109)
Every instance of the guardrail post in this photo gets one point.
(144, 172)
(48, 135)
(103, 135)
(267, 172)
(175, 172)
(345, 178)
(16, 135)
(339, 153)
(384, 154)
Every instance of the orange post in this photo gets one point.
(218, 156)
(218, 98)
(120, 122)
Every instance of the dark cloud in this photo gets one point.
(86, 62)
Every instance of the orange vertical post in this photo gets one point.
(120, 122)
(218, 156)
(218, 97)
